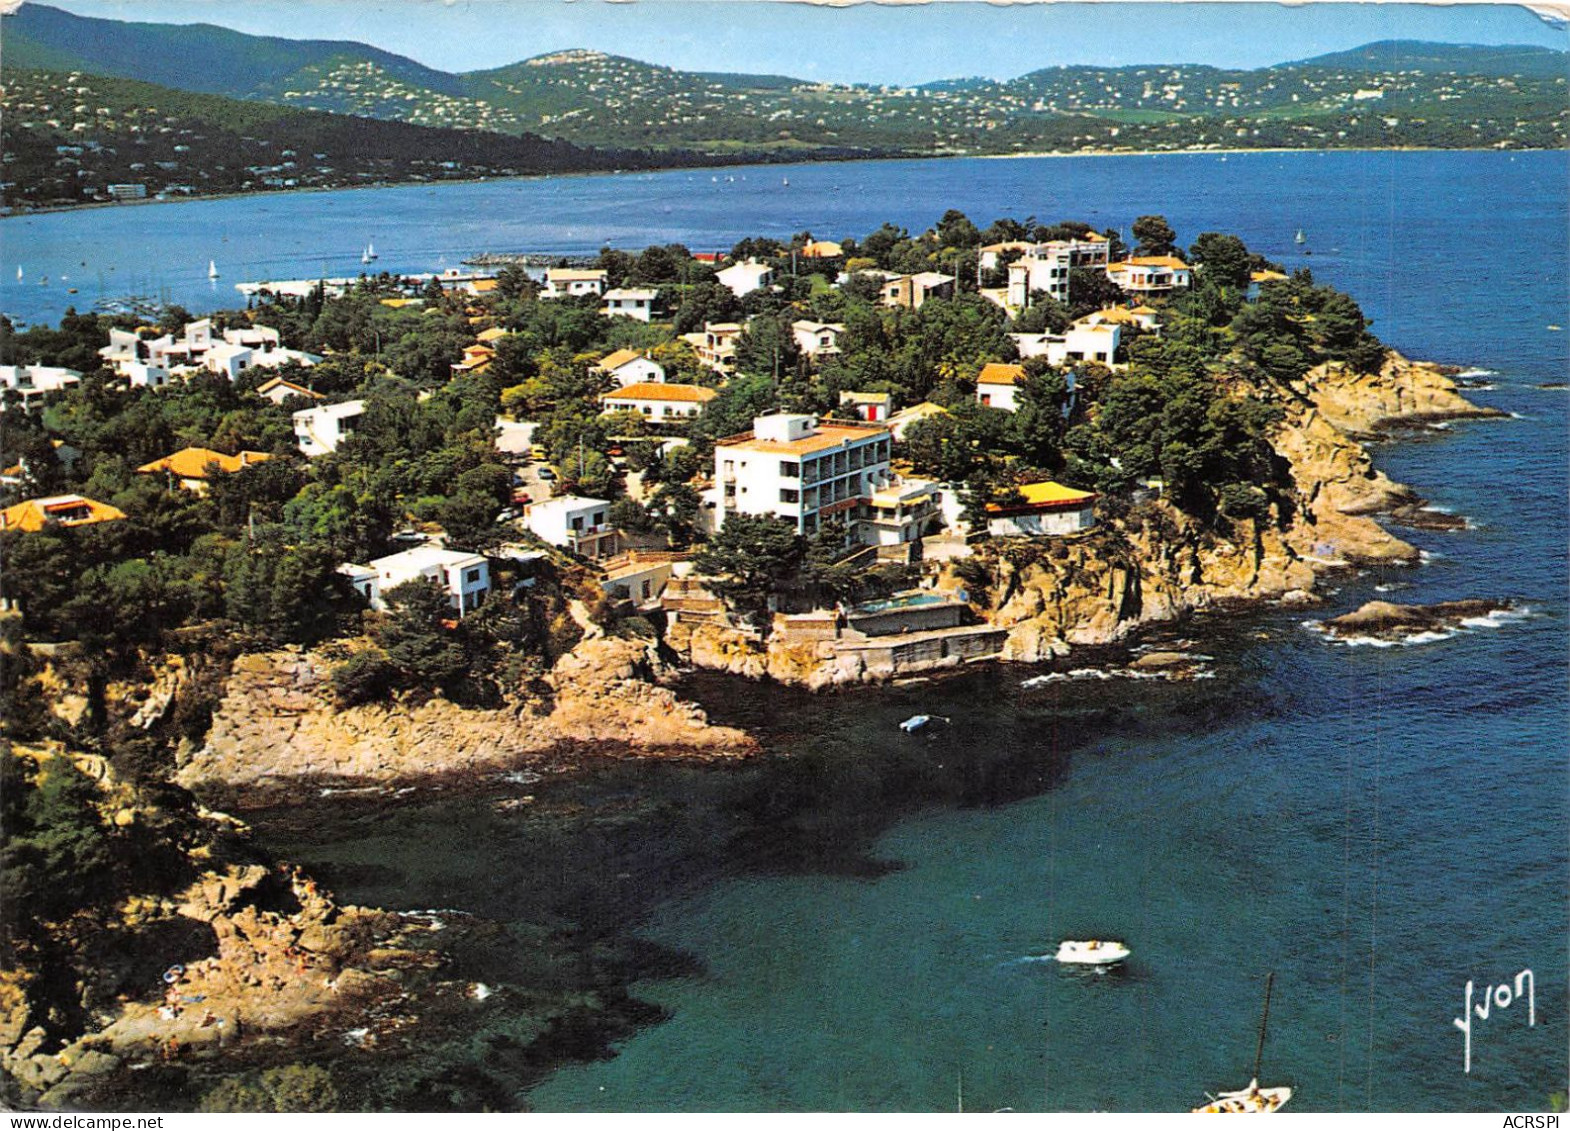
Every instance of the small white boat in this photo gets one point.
(19, 275)
(785, 181)
(916, 722)
(1091, 952)
(1252, 1100)
(212, 269)
(369, 254)
(1300, 237)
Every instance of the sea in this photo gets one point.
(863, 920)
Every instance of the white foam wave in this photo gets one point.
(1498, 618)
(1476, 371)
(1078, 675)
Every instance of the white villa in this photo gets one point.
(1045, 508)
(629, 367)
(745, 277)
(574, 522)
(629, 302)
(996, 385)
(1085, 340)
(817, 339)
(659, 401)
(1151, 274)
(465, 577)
(874, 408)
(567, 282)
(33, 382)
(911, 291)
(151, 362)
(801, 469)
(320, 430)
(905, 417)
(715, 344)
(906, 510)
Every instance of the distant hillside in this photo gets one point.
(1383, 95)
(68, 137)
(199, 57)
(1441, 58)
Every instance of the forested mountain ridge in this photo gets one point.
(1387, 94)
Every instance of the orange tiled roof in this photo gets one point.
(616, 360)
(655, 391)
(1000, 373)
(67, 510)
(192, 463)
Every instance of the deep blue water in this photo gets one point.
(1377, 826)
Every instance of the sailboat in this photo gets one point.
(212, 269)
(1300, 237)
(19, 275)
(1252, 1100)
(369, 255)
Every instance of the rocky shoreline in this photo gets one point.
(1155, 564)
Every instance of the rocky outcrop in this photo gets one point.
(278, 721)
(1402, 392)
(246, 951)
(1384, 621)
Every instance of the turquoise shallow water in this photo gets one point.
(864, 921)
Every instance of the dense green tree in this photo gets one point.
(748, 559)
(1155, 236)
(1221, 259)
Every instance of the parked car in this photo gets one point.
(507, 515)
(547, 474)
(522, 497)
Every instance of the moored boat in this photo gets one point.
(1252, 1100)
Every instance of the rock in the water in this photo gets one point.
(1384, 620)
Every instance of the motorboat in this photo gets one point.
(1091, 952)
(1252, 1100)
(917, 722)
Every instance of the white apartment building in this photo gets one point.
(1046, 267)
(574, 522)
(320, 430)
(465, 577)
(801, 469)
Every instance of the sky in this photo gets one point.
(871, 43)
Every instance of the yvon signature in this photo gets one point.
(1501, 996)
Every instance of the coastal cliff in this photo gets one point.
(278, 720)
(1155, 563)
(189, 943)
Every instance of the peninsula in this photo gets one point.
(440, 533)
